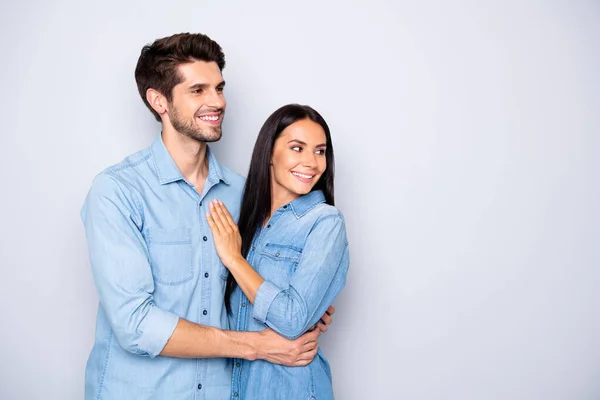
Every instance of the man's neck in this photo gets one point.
(189, 156)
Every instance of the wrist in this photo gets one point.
(236, 262)
(255, 350)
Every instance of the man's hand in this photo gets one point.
(292, 353)
(326, 319)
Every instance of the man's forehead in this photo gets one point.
(200, 72)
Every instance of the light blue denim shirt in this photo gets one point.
(302, 254)
(153, 262)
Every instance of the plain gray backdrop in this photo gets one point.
(467, 143)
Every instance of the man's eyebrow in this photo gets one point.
(198, 86)
(205, 85)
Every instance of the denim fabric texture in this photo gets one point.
(302, 254)
(153, 262)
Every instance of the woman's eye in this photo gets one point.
(320, 152)
(297, 148)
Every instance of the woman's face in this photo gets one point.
(298, 160)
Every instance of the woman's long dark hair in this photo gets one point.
(256, 203)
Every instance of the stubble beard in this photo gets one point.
(189, 129)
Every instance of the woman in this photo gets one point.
(289, 258)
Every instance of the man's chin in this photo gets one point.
(214, 136)
(205, 137)
(211, 139)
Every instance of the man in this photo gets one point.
(159, 331)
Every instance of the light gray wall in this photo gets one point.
(467, 139)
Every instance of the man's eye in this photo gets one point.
(220, 90)
(197, 91)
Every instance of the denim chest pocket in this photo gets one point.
(171, 255)
(279, 262)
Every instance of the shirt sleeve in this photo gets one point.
(121, 270)
(319, 277)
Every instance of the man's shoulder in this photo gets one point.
(128, 163)
(122, 176)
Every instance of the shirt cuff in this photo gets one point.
(158, 328)
(265, 295)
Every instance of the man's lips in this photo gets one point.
(211, 118)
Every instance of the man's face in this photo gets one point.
(198, 105)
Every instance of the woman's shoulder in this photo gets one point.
(325, 211)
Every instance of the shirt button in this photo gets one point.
(243, 304)
(285, 206)
(204, 238)
(200, 204)
(206, 274)
(199, 386)
(235, 394)
(237, 364)
(276, 254)
(268, 226)
(204, 312)
(253, 248)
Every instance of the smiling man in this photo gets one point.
(161, 330)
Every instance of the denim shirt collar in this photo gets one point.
(304, 204)
(167, 170)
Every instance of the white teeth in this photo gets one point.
(302, 175)
(209, 118)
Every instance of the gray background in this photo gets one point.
(467, 138)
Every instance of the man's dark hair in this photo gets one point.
(157, 67)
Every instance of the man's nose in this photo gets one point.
(217, 99)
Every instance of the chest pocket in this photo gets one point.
(279, 262)
(171, 255)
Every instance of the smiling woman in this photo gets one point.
(289, 257)
(298, 161)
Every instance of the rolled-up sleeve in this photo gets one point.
(119, 259)
(317, 280)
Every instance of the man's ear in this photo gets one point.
(157, 101)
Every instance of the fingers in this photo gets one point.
(309, 346)
(322, 327)
(221, 216)
(330, 310)
(306, 357)
(214, 227)
(309, 337)
(293, 353)
(216, 216)
(305, 350)
(224, 212)
(217, 224)
(326, 319)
